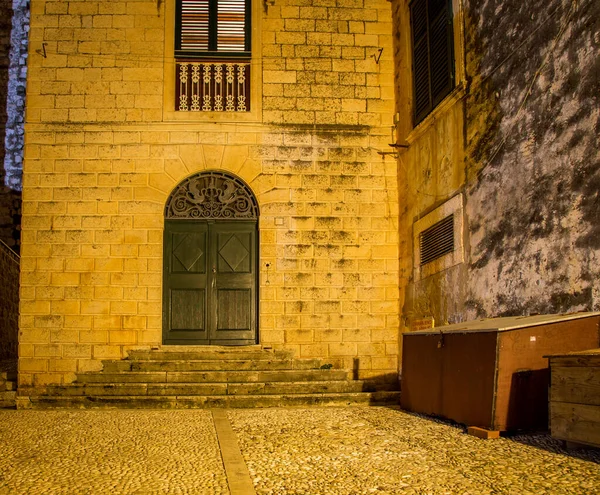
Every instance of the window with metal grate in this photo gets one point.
(437, 240)
(432, 54)
(212, 28)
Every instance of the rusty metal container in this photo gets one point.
(490, 373)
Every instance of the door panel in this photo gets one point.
(187, 309)
(234, 309)
(185, 282)
(210, 282)
(235, 251)
(188, 253)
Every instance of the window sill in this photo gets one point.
(457, 94)
(225, 117)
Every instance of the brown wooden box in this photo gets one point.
(490, 373)
(575, 397)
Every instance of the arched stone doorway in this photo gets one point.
(210, 267)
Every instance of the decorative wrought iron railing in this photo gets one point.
(204, 86)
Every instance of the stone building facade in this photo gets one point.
(512, 153)
(485, 204)
(106, 145)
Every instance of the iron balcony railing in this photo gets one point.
(204, 86)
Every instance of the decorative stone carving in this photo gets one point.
(212, 195)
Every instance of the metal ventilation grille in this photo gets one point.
(437, 240)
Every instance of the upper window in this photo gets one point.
(432, 54)
(212, 28)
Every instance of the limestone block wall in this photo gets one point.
(9, 303)
(103, 154)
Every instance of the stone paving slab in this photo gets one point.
(110, 452)
(385, 451)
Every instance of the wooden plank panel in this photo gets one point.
(577, 385)
(234, 309)
(586, 358)
(187, 309)
(575, 423)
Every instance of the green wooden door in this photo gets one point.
(210, 270)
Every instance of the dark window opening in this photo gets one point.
(432, 54)
(437, 240)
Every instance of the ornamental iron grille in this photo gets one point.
(212, 195)
(213, 86)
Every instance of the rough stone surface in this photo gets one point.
(536, 87)
(14, 27)
(15, 85)
(96, 452)
(9, 304)
(519, 139)
(381, 450)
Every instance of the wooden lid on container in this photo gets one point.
(503, 324)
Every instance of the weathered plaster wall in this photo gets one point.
(9, 303)
(430, 171)
(519, 138)
(102, 155)
(533, 130)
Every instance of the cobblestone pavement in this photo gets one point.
(315, 451)
(109, 452)
(385, 451)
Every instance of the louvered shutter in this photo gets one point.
(433, 55)
(194, 17)
(418, 14)
(213, 26)
(441, 49)
(231, 25)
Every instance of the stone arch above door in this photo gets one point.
(212, 195)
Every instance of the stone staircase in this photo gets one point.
(8, 387)
(202, 377)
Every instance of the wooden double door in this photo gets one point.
(210, 282)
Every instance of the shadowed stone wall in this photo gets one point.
(9, 303)
(14, 28)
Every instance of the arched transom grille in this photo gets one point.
(212, 195)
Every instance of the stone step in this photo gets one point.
(8, 400)
(213, 401)
(6, 386)
(211, 365)
(212, 376)
(8, 376)
(204, 354)
(208, 389)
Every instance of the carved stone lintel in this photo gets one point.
(212, 195)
